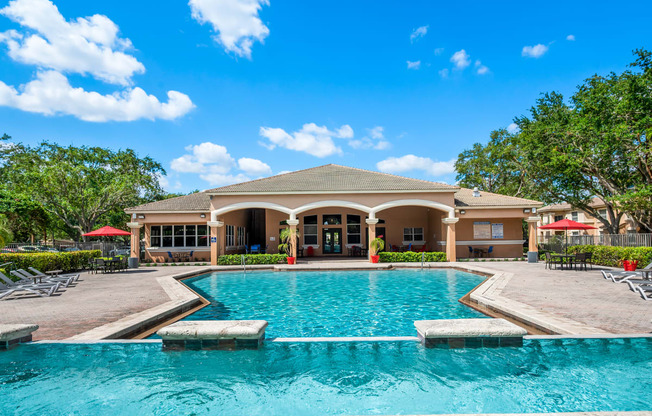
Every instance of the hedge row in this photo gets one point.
(74, 260)
(613, 256)
(411, 256)
(236, 259)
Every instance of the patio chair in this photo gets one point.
(39, 273)
(100, 264)
(580, 260)
(6, 284)
(491, 249)
(255, 248)
(551, 261)
(27, 278)
(470, 251)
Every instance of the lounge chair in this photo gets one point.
(64, 280)
(37, 272)
(25, 278)
(8, 287)
(645, 291)
(617, 276)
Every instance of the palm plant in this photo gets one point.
(377, 245)
(287, 238)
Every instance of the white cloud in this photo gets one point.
(512, 128)
(570, 37)
(439, 51)
(376, 140)
(481, 69)
(414, 65)
(535, 51)
(236, 22)
(87, 45)
(203, 157)
(461, 59)
(418, 33)
(312, 139)
(254, 166)
(443, 73)
(51, 94)
(411, 162)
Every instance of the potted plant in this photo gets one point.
(629, 264)
(377, 245)
(287, 238)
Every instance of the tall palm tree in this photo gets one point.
(5, 232)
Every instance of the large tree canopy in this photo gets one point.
(594, 144)
(80, 185)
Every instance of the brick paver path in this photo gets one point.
(96, 299)
(582, 296)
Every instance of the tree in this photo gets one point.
(25, 217)
(80, 185)
(496, 167)
(5, 232)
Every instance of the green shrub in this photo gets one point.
(411, 257)
(612, 256)
(236, 259)
(68, 261)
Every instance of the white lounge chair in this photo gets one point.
(617, 276)
(645, 290)
(24, 274)
(8, 287)
(39, 273)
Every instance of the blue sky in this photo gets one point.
(221, 91)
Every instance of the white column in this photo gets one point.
(533, 244)
(451, 241)
(135, 239)
(215, 245)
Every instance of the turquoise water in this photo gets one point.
(336, 303)
(326, 379)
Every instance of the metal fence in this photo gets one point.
(107, 248)
(557, 242)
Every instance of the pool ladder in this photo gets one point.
(243, 262)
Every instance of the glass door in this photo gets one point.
(332, 240)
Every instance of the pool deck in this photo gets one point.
(104, 306)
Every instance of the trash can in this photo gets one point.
(133, 263)
(532, 256)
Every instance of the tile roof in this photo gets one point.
(332, 178)
(199, 201)
(464, 198)
(595, 202)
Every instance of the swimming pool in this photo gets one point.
(326, 378)
(336, 303)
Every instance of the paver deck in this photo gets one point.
(96, 300)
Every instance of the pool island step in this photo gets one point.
(469, 333)
(213, 335)
(11, 334)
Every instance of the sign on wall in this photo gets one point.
(213, 240)
(497, 231)
(481, 230)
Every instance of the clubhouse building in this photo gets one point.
(337, 211)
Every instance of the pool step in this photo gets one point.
(213, 335)
(469, 333)
(11, 334)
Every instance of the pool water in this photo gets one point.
(326, 379)
(336, 303)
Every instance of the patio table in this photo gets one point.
(566, 259)
(479, 252)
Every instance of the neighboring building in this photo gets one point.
(334, 209)
(552, 213)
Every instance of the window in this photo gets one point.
(155, 236)
(559, 218)
(167, 235)
(242, 238)
(310, 230)
(575, 216)
(178, 236)
(413, 234)
(202, 236)
(230, 235)
(603, 213)
(179, 240)
(332, 219)
(353, 229)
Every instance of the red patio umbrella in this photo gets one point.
(106, 232)
(566, 225)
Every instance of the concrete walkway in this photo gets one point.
(97, 300)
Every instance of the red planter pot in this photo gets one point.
(375, 259)
(630, 265)
(292, 260)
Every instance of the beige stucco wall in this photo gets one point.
(512, 231)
